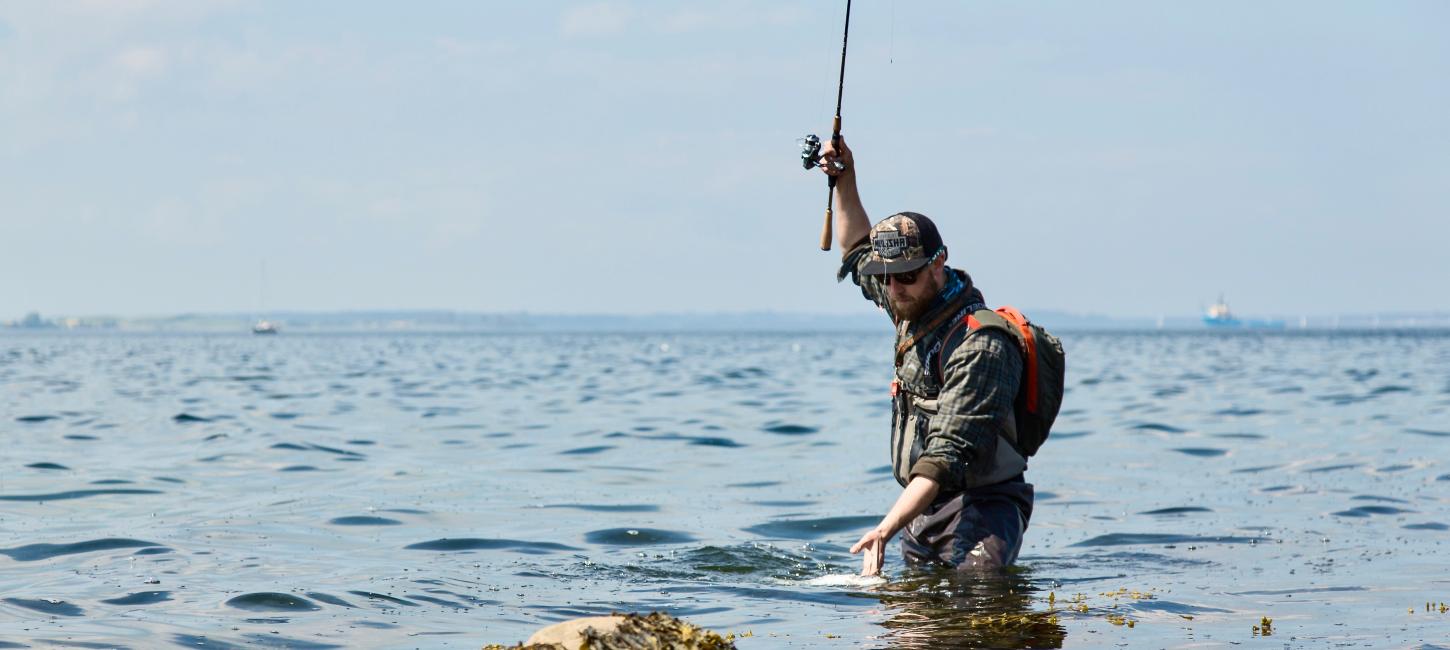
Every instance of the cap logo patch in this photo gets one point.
(889, 245)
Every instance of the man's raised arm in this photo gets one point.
(850, 223)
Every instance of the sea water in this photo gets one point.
(319, 491)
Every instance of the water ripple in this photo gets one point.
(73, 494)
(1132, 539)
(812, 528)
(33, 552)
(1180, 510)
(785, 428)
(591, 507)
(636, 537)
(140, 598)
(364, 521)
(1366, 511)
(479, 544)
(329, 599)
(47, 466)
(270, 601)
(384, 598)
(49, 606)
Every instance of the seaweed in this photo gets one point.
(653, 631)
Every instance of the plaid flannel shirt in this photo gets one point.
(975, 397)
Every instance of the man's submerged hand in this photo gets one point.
(913, 500)
(873, 543)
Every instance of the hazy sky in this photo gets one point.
(1131, 158)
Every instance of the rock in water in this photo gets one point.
(571, 634)
(654, 631)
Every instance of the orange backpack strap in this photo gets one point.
(1039, 393)
(1029, 352)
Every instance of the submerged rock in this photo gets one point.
(654, 631)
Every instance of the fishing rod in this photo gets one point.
(811, 145)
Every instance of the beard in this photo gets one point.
(909, 307)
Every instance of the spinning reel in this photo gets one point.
(811, 153)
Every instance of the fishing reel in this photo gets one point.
(811, 153)
(810, 150)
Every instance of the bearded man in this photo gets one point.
(964, 501)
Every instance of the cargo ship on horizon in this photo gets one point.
(1219, 316)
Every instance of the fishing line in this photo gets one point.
(811, 145)
(836, 130)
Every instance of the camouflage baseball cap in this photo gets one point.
(902, 242)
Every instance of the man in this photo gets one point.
(965, 503)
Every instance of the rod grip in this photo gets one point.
(826, 231)
(830, 200)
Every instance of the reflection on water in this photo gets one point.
(453, 491)
(940, 608)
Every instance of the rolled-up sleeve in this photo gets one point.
(871, 286)
(980, 381)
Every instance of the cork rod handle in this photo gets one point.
(826, 231)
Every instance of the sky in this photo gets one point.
(1116, 158)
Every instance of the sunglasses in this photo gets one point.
(908, 278)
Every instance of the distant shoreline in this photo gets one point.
(866, 321)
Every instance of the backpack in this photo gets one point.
(1039, 394)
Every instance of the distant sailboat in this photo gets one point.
(263, 326)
